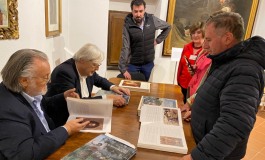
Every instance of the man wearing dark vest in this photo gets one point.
(138, 53)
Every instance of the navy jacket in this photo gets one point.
(225, 107)
(64, 77)
(22, 135)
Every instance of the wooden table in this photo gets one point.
(125, 125)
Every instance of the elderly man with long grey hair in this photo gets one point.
(26, 130)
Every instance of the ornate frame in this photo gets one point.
(248, 12)
(53, 28)
(10, 30)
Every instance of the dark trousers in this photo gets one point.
(145, 69)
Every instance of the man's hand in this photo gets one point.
(71, 93)
(120, 90)
(186, 108)
(75, 125)
(127, 75)
(187, 116)
(118, 100)
(186, 157)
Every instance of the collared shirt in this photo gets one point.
(83, 84)
(35, 104)
(84, 89)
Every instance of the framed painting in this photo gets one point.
(8, 19)
(53, 17)
(183, 13)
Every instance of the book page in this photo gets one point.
(151, 114)
(145, 85)
(156, 101)
(164, 115)
(94, 107)
(96, 124)
(97, 111)
(171, 103)
(164, 102)
(162, 137)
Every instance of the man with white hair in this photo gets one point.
(79, 72)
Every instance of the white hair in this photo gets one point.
(89, 52)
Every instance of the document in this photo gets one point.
(97, 111)
(162, 129)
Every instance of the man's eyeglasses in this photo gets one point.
(96, 65)
(44, 79)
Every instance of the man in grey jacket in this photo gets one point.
(138, 53)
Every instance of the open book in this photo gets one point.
(163, 102)
(161, 129)
(104, 146)
(97, 111)
(105, 92)
(137, 86)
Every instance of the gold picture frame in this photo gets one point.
(183, 13)
(53, 17)
(8, 19)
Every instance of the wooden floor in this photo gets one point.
(256, 144)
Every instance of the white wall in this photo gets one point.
(164, 69)
(31, 31)
(84, 22)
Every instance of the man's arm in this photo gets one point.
(18, 141)
(164, 26)
(61, 81)
(125, 51)
(100, 82)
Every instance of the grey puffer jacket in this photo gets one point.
(225, 107)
